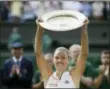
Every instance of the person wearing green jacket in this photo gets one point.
(90, 73)
(47, 41)
(14, 37)
(104, 79)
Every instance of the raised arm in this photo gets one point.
(45, 70)
(77, 73)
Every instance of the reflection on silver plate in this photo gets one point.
(62, 20)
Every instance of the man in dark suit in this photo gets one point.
(17, 70)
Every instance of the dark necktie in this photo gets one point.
(18, 63)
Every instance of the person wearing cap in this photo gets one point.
(15, 36)
(17, 70)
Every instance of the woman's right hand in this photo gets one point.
(86, 22)
(39, 20)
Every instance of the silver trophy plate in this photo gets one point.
(62, 20)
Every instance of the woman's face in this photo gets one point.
(60, 60)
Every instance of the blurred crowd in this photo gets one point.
(18, 71)
(21, 72)
(14, 11)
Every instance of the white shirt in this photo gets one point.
(72, 5)
(16, 8)
(40, 8)
(66, 81)
(52, 6)
(97, 8)
(28, 12)
(15, 59)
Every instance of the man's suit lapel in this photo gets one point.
(23, 66)
(22, 63)
(11, 62)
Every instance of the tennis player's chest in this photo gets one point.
(64, 82)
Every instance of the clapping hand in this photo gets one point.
(13, 70)
(17, 70)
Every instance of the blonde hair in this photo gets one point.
(62, 49)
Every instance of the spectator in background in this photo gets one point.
(14, 37)
(1, 79)
(33, 5)
(40, 8)
(52, 5)
(105, 11)
(15, 11)
(97, 10)
(49, 59)
(4, 10)
(74, 52)
(28, 13)
(105, 77)
(87, 9)
(72, 5)
(37, 80)
(17, 70)
(90, 74)
(108, 10)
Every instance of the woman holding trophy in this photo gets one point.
(61, 78)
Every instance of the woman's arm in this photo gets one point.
(45, 70)
(77, 73)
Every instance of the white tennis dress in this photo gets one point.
(65, 81)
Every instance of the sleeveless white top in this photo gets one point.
(65, 81)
